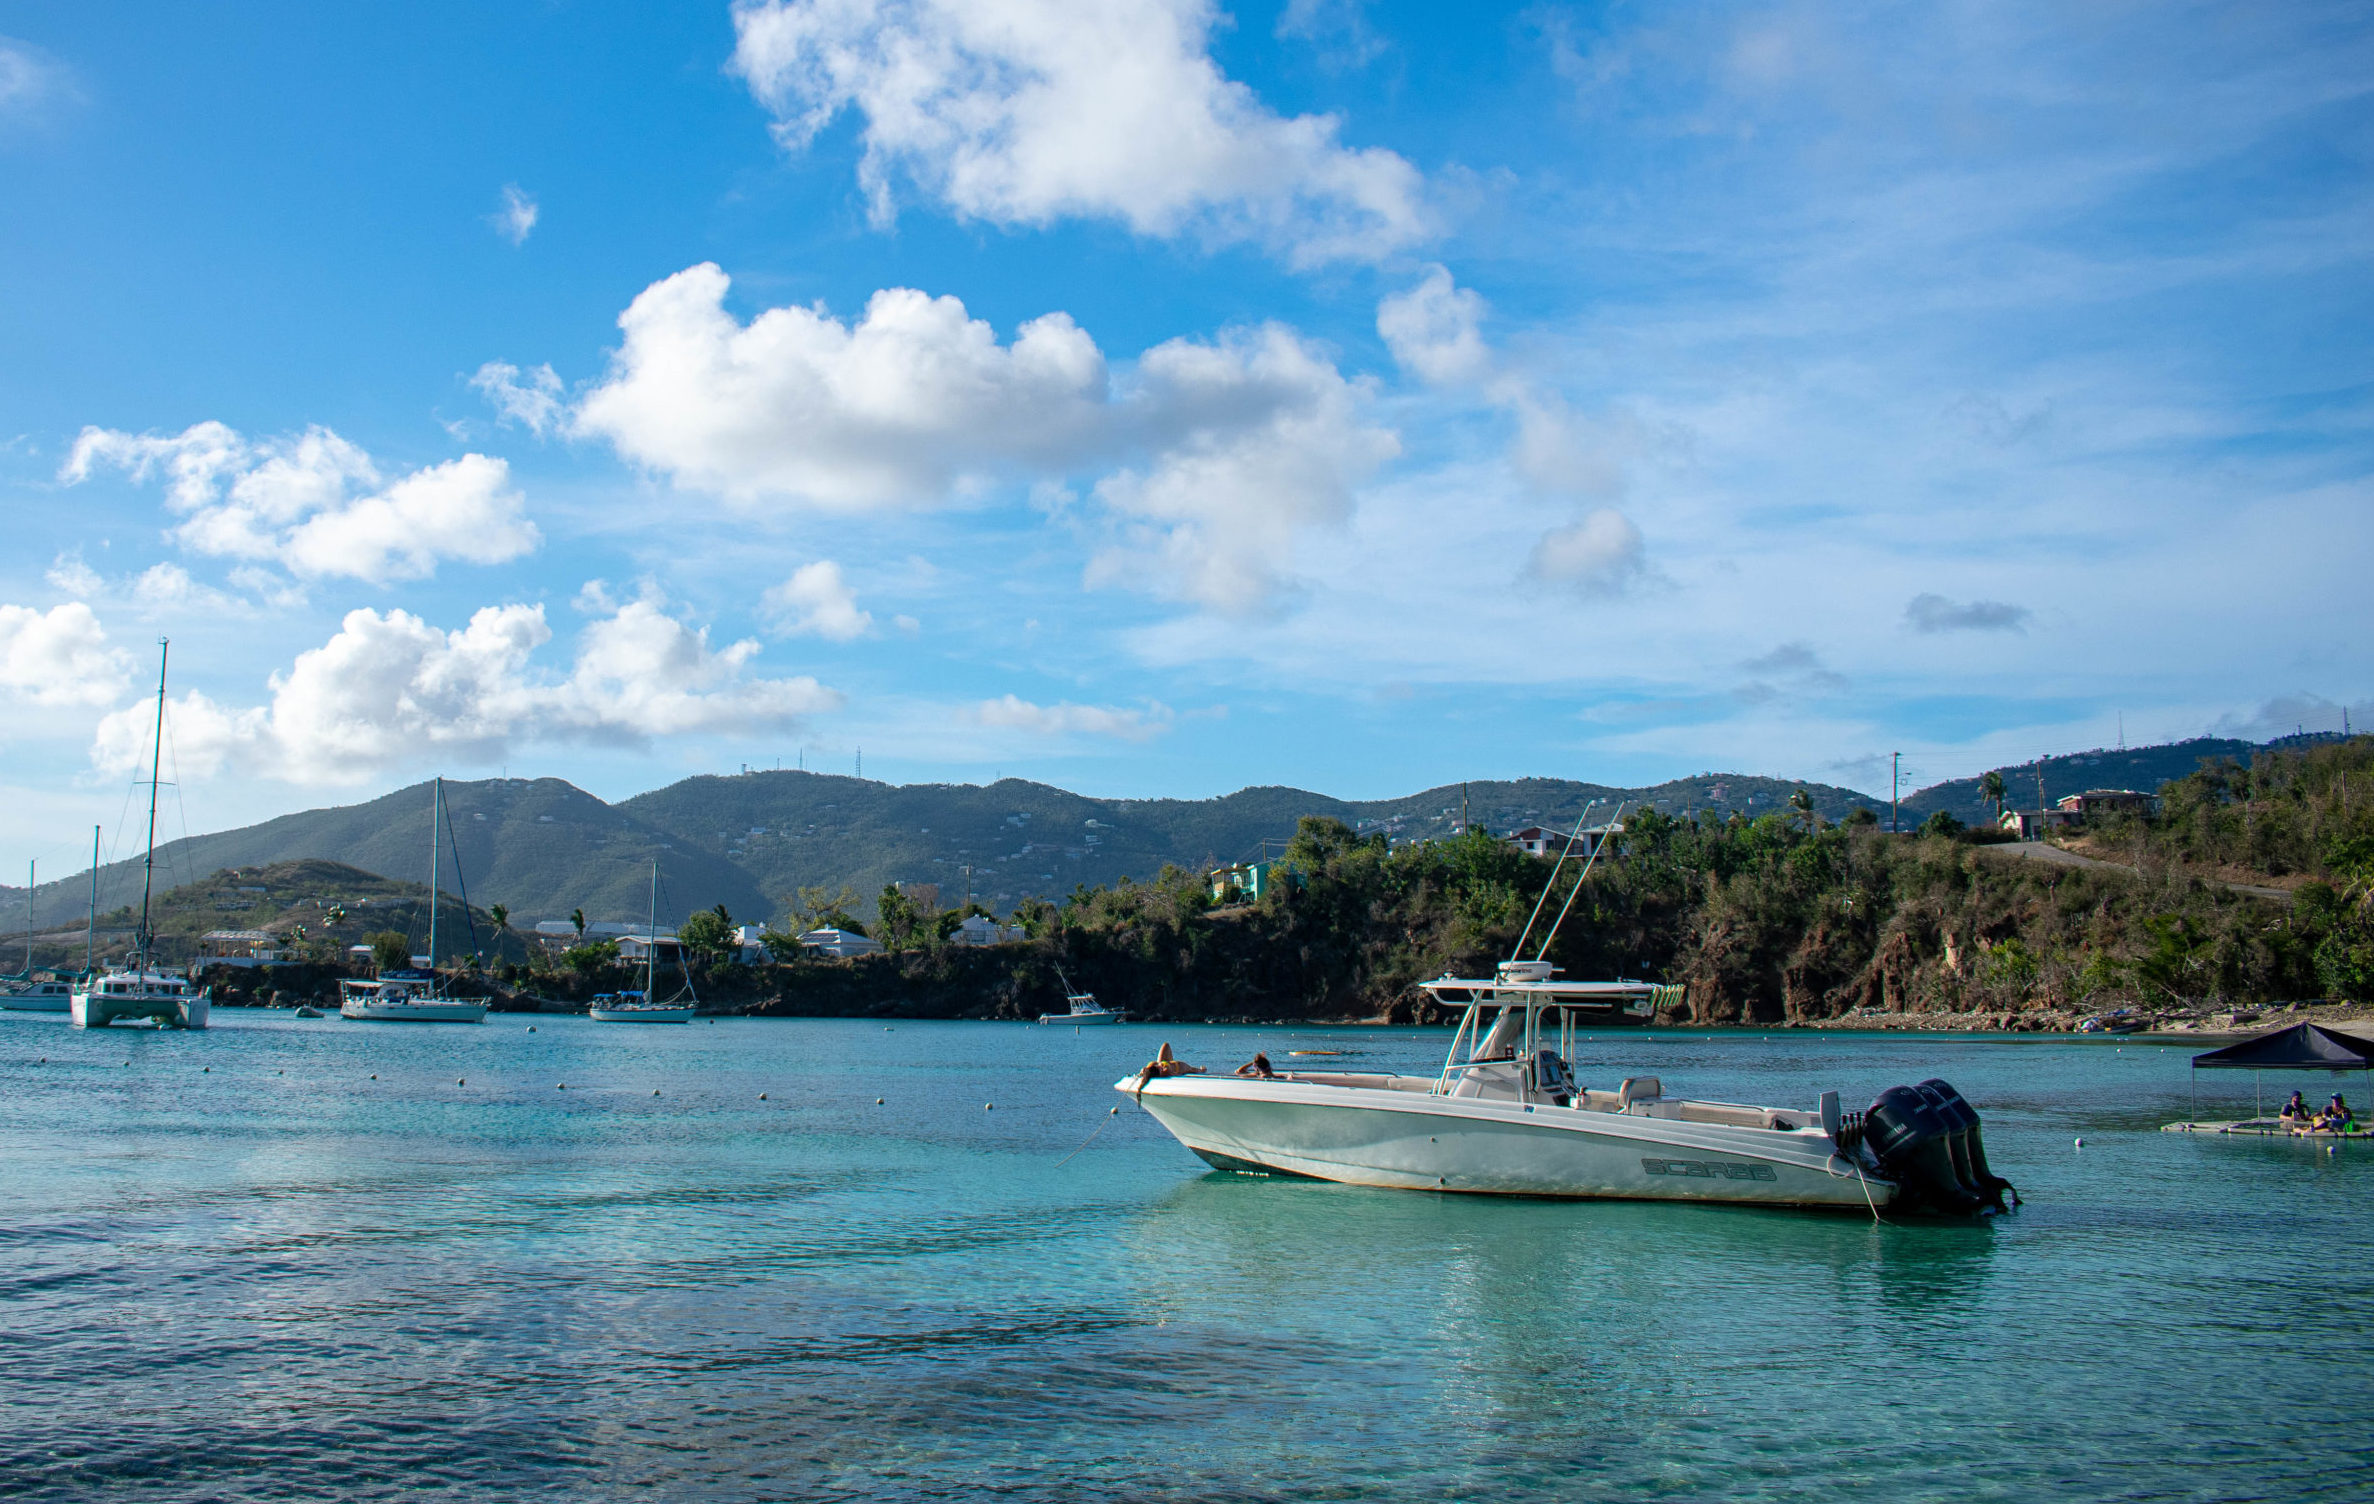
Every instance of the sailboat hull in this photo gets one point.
(413, 1013)
(640, 1015)
(96, 1011)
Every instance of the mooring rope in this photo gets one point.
(1090, 1139)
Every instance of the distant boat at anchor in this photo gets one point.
(141, 991)
(637, 1007)
(1085, 1009)
(407, 995)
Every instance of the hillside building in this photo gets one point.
(2094, 802)
(1243, 883)
(840, 943)
(239, 948)
(979, 931)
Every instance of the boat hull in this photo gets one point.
(1079, 1018)
(414, 1013)
(1412, 1140)
(97, 1011)
(640, 1015)
(41, 1003)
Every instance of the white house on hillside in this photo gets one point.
(832, 942)
(979, 931)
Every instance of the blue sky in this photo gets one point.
(1157, 399)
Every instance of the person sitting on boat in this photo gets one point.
(2336, 1118)
(2295, 1110)
(1257, 1066)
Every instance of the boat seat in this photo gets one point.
(1638, 1089)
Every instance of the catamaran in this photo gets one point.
(406, 994)
(637, 1007)
(141, 991)
(1507, 1115)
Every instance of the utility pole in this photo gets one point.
(1895, 787)
(1463, 809)
(2040, 787)
(968, 887)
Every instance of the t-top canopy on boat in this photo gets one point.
(2302, 1047)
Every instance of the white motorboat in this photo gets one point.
(405, 997)
(1505, 1115)
(39, 997)
(1083, 1006)
(637, 1007)
(140, 991)
(408, 996)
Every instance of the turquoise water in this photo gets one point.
(238, 1267)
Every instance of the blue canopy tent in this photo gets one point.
(2302, 1047)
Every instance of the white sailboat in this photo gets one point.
(25, 994)
(407, 995)
(637, 1007)
(141, 991)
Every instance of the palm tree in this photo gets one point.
(502, 918)
(1802, 803)
(1990, 786)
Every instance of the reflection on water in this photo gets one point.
(281, 1277)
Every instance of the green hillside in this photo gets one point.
(540, 846)
(2140, 768)
(544, 847)
(313, 905)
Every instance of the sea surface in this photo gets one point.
(315, 1259)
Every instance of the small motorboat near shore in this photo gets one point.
(1507, 1116)
(46, 996)
(1085, 1009)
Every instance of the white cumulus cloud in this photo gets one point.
(816, 601)
(390, 689)
(1021, 112)
(315, 504)
(1434, 330)
(1127, 723)
(59, 657)
(1214, 453)
(910, 402)
(1256, 437)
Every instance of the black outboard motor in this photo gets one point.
(1972, 1154)
(1913, 1141)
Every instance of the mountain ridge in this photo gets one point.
(544, 847)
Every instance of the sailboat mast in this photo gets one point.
(32, 881)
(436, 818)
(651, 936)
(156, 768)
(90, 930)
